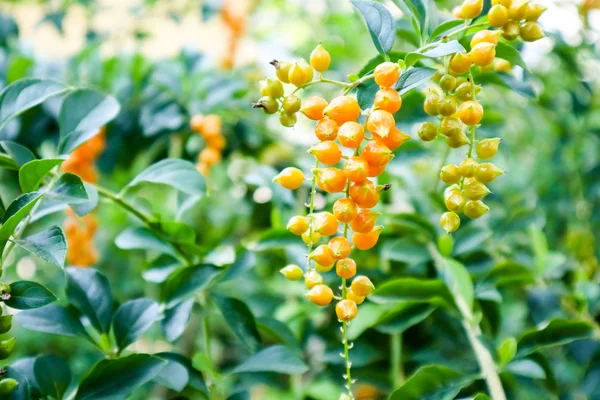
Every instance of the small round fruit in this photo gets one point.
(311, 238)
(387, 99)
(346, 310)
(343, 109)
(287, 120)
(511, 30)
(325, 223)
(297, 75)
(531, 31)
(485, 36)
(366, 241)
(487, 172)
(454, 200)
(428, 131)
(394, 139)
(290, 178)
(460, 63)
(268, 104)
(464, 91)
(533, 11)
(282, 70)
(458, 140)
(321, 295)
(376, 153)
(467, 167)
(448, 83)
(356, 169)
(387, 73)
(364, 221)
(350, 295)
(498, 16)
(447, 106)
(320, 59)
(380, 122)
(312, 279)
(297, 225)
(470, 112)
(345, 268)
(475, 190)
(291, 104)
(483, 54)
(362, 286)
(487, 148)
(471, 9)
(326, 129)
(340, 246)
(330, 180)
(449, 221)
(327, 152)
(313, 108)
(431, 104)
(351, 134)
(450, 174)
(451, 126)
(475, 209)
(344, 210)
(292, 272)
(364, 194)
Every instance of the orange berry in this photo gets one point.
(326, 129)
(388, 99)
(312, 279)
(321, 295)
(216, 142)
(376, 171)
(320, 59)
(346, 310)
(351, 134)
(313, 108)
(362, 286)
(212, 125)
(343, 109)
(344, 210)
(345, 268)
(196, 123)
(364, 221)
(350, 295)
(460, 63)
(486, 36)
(366, 241)
(209, 156)
(327, 152)
(340, 246)
(330, 180)
(483, 54)
(290, 178)
(394, 139)
(322, 255)
(326, 223)
(387, 73)
(364, 194)
(376, 153)
(356, 169)
(470, 112)
(380, 122)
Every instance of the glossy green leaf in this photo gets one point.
(418, 9)
(90, 292)
(15, 213)
(240, 319)
(32, 173)
(510, 54)
(49, 245)
(526, 368)
(69, 189)
(52, 319)
(507, 350)
(366, 94)
(558, 332)
(405, 250)
(20, 154)
(380, 23)
(142, 238)
(412, 289)
(441, 50)
(445, 27)
(177, 319)
(84, 208)
(179, 174)
(179, 373)
(52, 375)
(278, 359)
(25, 295)
(186, 281)
(412, 78)
(432, 382)
(132, 319)
(273, 330)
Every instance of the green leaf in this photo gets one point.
(276, 239)
(52, 319)
(69, 189)
(116, 379)
(507, 350)
(25, 295)
(7, 162)
(177, 319)
(366, 94)
(380, 23)
(557, 333)
(510, 54)
(179, 372)
(276, 358)
(470, 239)
(418, 9)
(459, 282)
(142, 238)
(15, 213)
(412, 289)
(20, 154)
(132, 319)
(240, 319)
(25, 94)
(89, 291)
(82, 209)
(18, 68)
(432, 382)
(405, 250)
(32, 173)
(442, 50)
(52, 376)
(273, 330)
(508, 81)
(400, 318)
(187, 280)
(82, 113)
(526, 368)
(509, 272)
(49, 245)
(445, 27)
(179, 174)
(413, 78)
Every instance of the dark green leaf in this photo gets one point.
(15, 213)
(69, 189)
(510, 54)
(459, 282)
(179, 174)
(418, 9)
(405, 250)
(176, 320)
(508, 81)
(366, 94)
(276, 239)
(132, 319)
(413, 78)
(411, 289)
(82, 209)
(187, 280)
(380, 23)
(442, 50)
(179, 373)
(445, 27)
(25, 295)
(51, 319)
(49, 245)
(275, 330)
(526, 368)
(401, 318)
(432, 382)
(89, 291)
(240, 319)
(470, 239)
(142, 238)
(52, 376)
(32, 173)
(277, 359)
(21, 155)
(558, 332)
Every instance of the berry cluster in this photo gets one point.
(82, 161)
(210, 127)
(234, 18)
(517, 18)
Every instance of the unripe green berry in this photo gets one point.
(457, 140)
(451, 126)
(428, 131)
(268, 104)
(511, 30)
(447, 106)
(291, 104)
(463, 92)
(287, 120)
(447, 83)
(431, 104)
(450, 174)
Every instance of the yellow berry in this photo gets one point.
(498, 16)
(486, 36)
(475, 209)
(292, 272)
(487, 148)
(320, 294)
(450, 174)
(471, 9)
(346, 310)
(311, 238)
(297, 225)
(290, 178)
(467, 167)
(320, 59)
(531, 31)
(487, 172)
(282, 70)
(454, 199)
(350, 295)
(312, 279)
(362, 286)
(483, 54)
(475, 190)
(449, 221)
(533, 11)
(470, 112)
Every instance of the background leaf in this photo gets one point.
(132, 319)
(277, 359)
(90, 292)
(52, 376)
(380, 23)
(25, 295)
(49, 245)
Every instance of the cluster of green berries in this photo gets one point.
(7, 385)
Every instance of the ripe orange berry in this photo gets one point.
(345, 268)
(343, 109)
(313, 108)
(387, 73)
(483, 54)
(322, 255)
(376, 153)
(486, 36)
(326, 129)
(376, 171)
(325, 223)
(292, 272)
(460, 63)
(364, 221)
(312, 279)
(311, 238)
(394, 139)
(346, 310)
(364, 194)
(356, 169)
(362, 286)
(470, 112)
(330, 180)
(320, 59)
(366, 241)
(212, 125)
(344, 210)
(327, 152)
(351, 134)
(350, 295)
(297, 225)
(290, 178)
(196, 123)
(321, 295)
(340, 246)
(471, 8)
(380, 122)
(387, 99)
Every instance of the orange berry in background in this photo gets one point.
(356, 169)
(320, 59)
(366, 241)
(351, 134)
(364, 221)
(322, 255)
(346, 310)
(345, 268)
(203, 168)
(330, 180)
(209, 156)
(394, 139)
(196, 123)
(297, 225)
(380, 122)
(312, 279)
(311, 238)
(326, 129)
(350, 295)
(376, 153)
(212, 125)
(340, 246)
(325, 223)
(482, 54)
(313, 108)
(387, 73)
(362, 286)
(321, 295)
(470, 112)
(460, 63)
(344, 210)
(364, 194)
(216, 142)
(376, 171)
(343, 109)
(290, 178)
(327, 152)
(388, 99)
(486, 36)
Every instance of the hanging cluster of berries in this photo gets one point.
(80, 232)
(210, 127)
(234, 17)
(7, 385)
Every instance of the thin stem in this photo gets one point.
(396, 371)
(358, 82)
(448, 36)
(321, 80)
(345, 323)
(311, 208)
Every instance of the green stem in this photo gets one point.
(396, 372)
(311, 208)
(358, 82)
(321, 80)
(448, 36)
